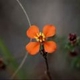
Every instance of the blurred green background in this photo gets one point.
(64, 14)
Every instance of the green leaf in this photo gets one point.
(9, 58)
(76, 63)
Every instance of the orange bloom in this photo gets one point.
(33, 33)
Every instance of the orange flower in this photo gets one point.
(33, 33)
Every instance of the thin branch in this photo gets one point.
(19, 66)
(24, 12)
(44, 54)
(30, 40)
(47, 67)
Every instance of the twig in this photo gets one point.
(24, 12)
(19, 66)
(27, 17)
(44, 54)
(47, 67)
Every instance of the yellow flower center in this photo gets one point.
(40, 37)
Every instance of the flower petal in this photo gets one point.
(32, 31)
(50, 46)
(33, 47)
(49, 30)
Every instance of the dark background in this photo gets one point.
(64, 14)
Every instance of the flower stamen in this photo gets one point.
(40, 37)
